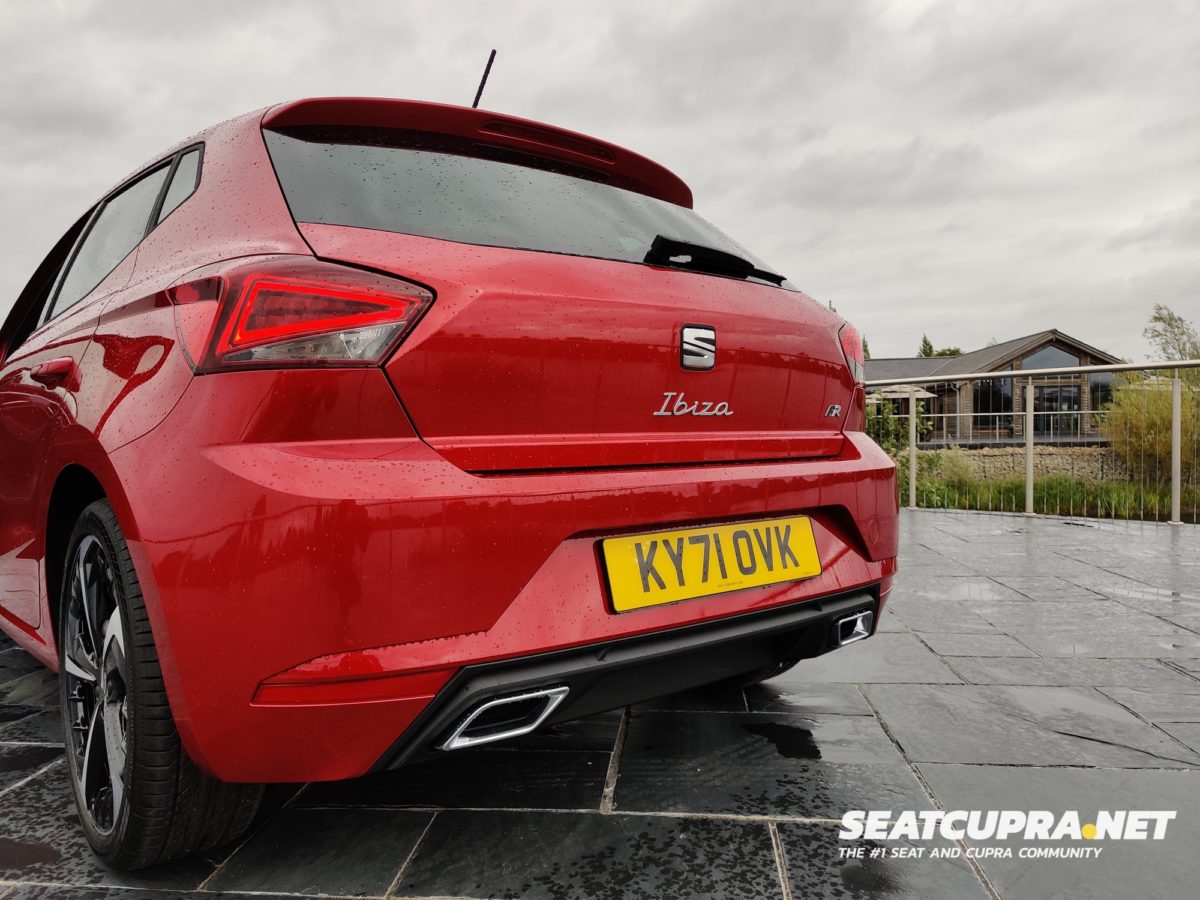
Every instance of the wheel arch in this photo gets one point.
(76, 486)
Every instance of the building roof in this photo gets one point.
(985, 359)
(917, 367)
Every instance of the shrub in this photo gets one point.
(1061, 495)
(889, 430)
(1138, 423)
(956, 468)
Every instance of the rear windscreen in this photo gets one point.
(436, 187)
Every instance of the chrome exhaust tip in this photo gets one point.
(855, 627)
(505, 717)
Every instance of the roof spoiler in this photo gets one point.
(618, 167)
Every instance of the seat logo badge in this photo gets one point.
(698, 347)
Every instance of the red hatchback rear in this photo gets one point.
(358, 431)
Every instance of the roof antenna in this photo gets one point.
(483, 80)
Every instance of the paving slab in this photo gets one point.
(14, 712)
(494, 778)
(1107, 616)
(934, 566)
(816, 869)
(1022, 726)
(39, 687)
(1075, 672)
(19, 762)
(1187, 733)
(1047, 588)
(595, 734)
(548, 856)
(14, 663)
(1131, 591)
(978, 645)
(35, 725)
(943, 587)
(793, 692)
(1189, 619)
(761, 764)
(1102, 645)
(1158, 706)
(1134, 868)
(715, 699)
(63, 892)
(950, 616)
(890, 622)
(885, 658)
(41, 840)
(346, 852)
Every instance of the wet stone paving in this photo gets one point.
(1022, 664)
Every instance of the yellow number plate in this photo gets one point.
(667, 566)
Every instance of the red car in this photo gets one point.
(356, 431)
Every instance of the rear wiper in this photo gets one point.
(678, 254)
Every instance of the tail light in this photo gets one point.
(283, 311)
(852, 347)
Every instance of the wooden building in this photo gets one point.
(991, 411)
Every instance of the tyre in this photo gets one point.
(141, 799)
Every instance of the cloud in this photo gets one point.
(959, 168)
(1178, 228)
(915, 173)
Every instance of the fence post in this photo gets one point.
(1176, 442)
(1029, 447)
(912, 446)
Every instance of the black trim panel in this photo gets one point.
(617, 673)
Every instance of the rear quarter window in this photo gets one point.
(183, 183)
(116, 229)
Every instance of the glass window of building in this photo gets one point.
(1049, 357)
(1100, 387)
(993, 404)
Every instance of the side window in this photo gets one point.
(31, 303)
(115, 231)
(183, 183)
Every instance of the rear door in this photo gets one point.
(42, 374)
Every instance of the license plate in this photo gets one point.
(668, 566)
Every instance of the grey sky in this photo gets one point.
(967, 169)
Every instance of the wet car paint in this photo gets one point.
(294, 533)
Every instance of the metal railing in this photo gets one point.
(1116, 438)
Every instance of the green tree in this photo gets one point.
(926, 346)
(1138, 423)
(889, 429)
(1138, 420)
(948, 351)
(866, 348)
(1173, 336)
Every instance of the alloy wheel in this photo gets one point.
(97, 674)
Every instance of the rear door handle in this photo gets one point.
(62, 372)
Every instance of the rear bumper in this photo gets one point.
(311, 597)
(612, 674)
